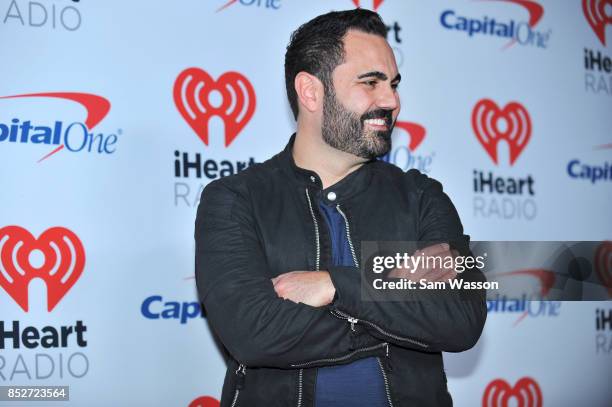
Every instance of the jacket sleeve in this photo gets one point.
(256, 326)
(444, 320)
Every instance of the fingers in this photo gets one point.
(399, 273)
(440, 274)
(443, 268)
(278, 278)
(287, 283)
(433, 249)
(437, 264)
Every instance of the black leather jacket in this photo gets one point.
(263, 222)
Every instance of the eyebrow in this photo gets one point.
(379, 75)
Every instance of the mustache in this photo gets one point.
(386, 115)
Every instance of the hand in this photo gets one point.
(313, 288)
(439, 252)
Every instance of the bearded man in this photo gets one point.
(278, 245)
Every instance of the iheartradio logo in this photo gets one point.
(526, 392)
(375, 4)
(193, 91)
(603, 264)
(204, 401)
(492, 124)
(57, 257)
(598, 17)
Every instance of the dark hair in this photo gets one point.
(317, 46)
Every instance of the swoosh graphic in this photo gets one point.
(535, 10)
(603, 147)
(96, 106)
(546, 277)
(226, 5)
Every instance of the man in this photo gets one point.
(278, 245)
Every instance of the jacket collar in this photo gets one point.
(347, 187)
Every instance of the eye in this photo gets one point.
(371, 84)
(394, 86)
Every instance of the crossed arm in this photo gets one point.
(290, 319)
(316, 288)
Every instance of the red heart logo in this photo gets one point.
(63, 260)
(595, 14)
(415, 131)
(603, 264)
(375, 4)
(192, 90)
(527, 392)
(204, 401)
(491, 124)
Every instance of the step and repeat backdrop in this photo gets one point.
(115, 114)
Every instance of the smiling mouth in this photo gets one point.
(377, 124)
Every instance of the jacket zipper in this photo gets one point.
(317, 264)
(385, 378)
(300, 379)
(354, 320)
(348, 235)
(342, 315)
(241, 373)
(344, 357)
(316, 228)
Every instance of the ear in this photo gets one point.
(309, 91)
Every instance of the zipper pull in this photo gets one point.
(387, 358)
(352, 321)
(353, 344)
(241, 373)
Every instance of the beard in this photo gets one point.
(345, 130)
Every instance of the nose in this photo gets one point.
(388, 98)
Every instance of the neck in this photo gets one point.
(312, 153)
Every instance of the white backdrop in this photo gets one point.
(126, 214)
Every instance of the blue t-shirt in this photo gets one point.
(359, 383)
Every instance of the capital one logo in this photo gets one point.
(268, 4)
(194, 95)
(536, 11)
(375, 3)
(603, 264)
(599, 14)
(57, 257)
(75, 137)
(492, 124)
(526, 392)
(415, 131)
(522, 32)
(403, 155)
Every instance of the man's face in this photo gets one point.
(359, 112)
